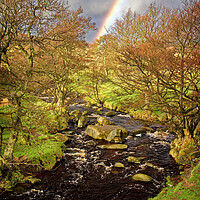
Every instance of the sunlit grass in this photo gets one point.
(188, 189)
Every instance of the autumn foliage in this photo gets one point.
(155, 54)
(41, 47)
(158, 55)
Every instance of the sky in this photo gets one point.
(103, 10)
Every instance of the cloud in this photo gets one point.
(97, 9)
(92, 7)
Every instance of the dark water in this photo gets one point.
(87, 172)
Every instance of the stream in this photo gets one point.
(88, 172)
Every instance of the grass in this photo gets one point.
(36, 146)
(187, 189)
(42, 149)
(35, 141)
(46, 151)
(115, 98)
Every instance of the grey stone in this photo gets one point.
(107, 132)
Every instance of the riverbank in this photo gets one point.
(77, 159)
(187, 189)
(36, 147)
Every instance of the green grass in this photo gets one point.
(44, 151)
(187, 189)
(36, 145)
(35, 142)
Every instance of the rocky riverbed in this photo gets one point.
(98, 169)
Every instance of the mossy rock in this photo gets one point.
(61, 137)
(142, 177)
(95, 107)
(76, 114)
(104, 121)
(184, 149)
(107, 132)
(31, 180)
(119, 165)
(113, 146)
(82, 122)
(110, 114)
(133, 159)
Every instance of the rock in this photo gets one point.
(100, 109)
(61, 137)
(110, 114)
(119, 165)
(91, 143)
(142, 177)
(32, 180)
(68, 133)
(133, 159)
(107, 132)
(82, 122)
(76, 114)
(138, 131)
(103, 121)
(148, 164)
(149, 129)
(116, 136)
(113, 146)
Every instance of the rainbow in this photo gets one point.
(110, 17)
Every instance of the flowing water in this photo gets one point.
(87, 172)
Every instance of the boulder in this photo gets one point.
(107, 132)
(110, 114)
(113, 146)
(142, 177)
(104, 121)
(82, 122)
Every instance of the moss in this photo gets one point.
(35, 145)
(184, 150)
(12, 178)
(44, 152)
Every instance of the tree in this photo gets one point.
(181, 77)
(134, 32)
(162, 62)
(63, 53)
(37, 26)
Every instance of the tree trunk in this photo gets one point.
(8, 153)
(16, 126)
